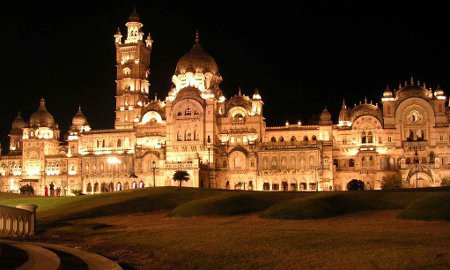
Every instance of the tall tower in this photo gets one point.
(133, 60)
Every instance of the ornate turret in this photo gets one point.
(79, 122)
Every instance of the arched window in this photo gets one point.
(273, 139)
(336, 164)
(305, 138)
(314, 138)
(363, 137)
(370, 137)
(283, 162)
(96, 187)
(188, 136)
(179, 114)
(238, 117)
(372, 161)
(281, 139)
(274, 162)
(293, 139)
(237, 162)
(179, 138)
(119, 143)
(351, 163)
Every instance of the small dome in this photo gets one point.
(325, 118)
(387, 93)
(79, 119)
(344, 114)
(42, 117)
(134, 16)
(18, 123)
(197, 60)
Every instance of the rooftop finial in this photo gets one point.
(399, 85)
(239, 91)
(343, 103)
(134, 16)
(387, 87)
(156, 96)
(412, 79)
(365, 99)
(79, 107)
(197, 37)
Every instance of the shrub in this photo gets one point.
(77, 192)
(445, 182)
(355, 184)
(391, 182)
(27, 189)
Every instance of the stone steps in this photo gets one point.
(52, 257)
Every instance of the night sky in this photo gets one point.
(301, 55)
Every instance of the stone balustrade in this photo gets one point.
(17, 221)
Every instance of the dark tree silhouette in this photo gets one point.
(181, 176)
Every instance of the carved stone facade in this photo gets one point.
(224, 143)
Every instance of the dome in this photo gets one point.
(325, 118)
(367, 109)
(134, 16)
(79, 119)
(413, 90)
(18, 123)
(42, 117)
(387, 93)
(197, 60)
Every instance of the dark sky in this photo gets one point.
(302, 55)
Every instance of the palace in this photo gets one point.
(225, 143)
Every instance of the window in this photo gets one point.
(351, 163)
(389, 139)
(273, 139)
(344, 141)
(441, 138)
(179, 114)
(370, 137)
(314, 138)
(363, 137)
(119, 143)
(293, 139)
(380, 140)
(237, 162)
(305, 138)
(188, 112)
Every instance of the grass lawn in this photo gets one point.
(166, 228)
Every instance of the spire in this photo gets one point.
(343, 103)
(387, 87)
(412, 80)
(18, 115)
(156, 96)
(118, 31)
(197, 37)
(365, 99)
(79, 107)
(400, 85)
(42, 103)
(239, 91)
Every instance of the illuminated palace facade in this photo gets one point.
(225, 143)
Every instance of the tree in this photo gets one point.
(355, 184)
(445, 181)
(391, 182)
(27, 189)
(181, 176)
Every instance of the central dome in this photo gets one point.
(42, 118)
(197, 60)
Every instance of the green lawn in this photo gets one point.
(217, 229)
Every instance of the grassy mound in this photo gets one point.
(339, 203)
(435, 206)
(53, 209)
(231, 203)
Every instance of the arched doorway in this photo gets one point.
(111, 186)
(96, 187)
(133, 185)
(89, 188)
(103, 187)
(266, 186)
(227, 185)
(126, 186)
(284, 185)
(420, 177)
(141, 184)
(118, 186)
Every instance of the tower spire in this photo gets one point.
(197, 37)
(343, 103)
